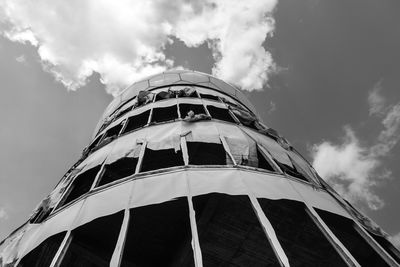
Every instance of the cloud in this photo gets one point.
(21, 59)
(353, 169)
(3, 214)
(124, 41)
(375, 100)
(395, 239)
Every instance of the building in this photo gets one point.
(181, 172)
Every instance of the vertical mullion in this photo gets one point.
(269, 232)
(185, 154)
(141, 154)
(227, 149)
(119, 248)
(338, 246)
(61, 250)
(375, 245)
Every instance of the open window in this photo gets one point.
(165, 95)
(137, 121)
(42, 255)
(344, 229)
(220, 114)
(230, 233)
(119, 169)
(263, 163)
(210, 97)
(197, 109)
(159, 235)
(185, 91)
(206, 153)
(301, 239)
(81, 185)
(163, 114)
(93, 243)
(112, 133)
(161, 158)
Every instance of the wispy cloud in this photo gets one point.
(354, 169)
(21, 59)
(3, 214)
(375, 100)
(125, 40)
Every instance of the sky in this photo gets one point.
(322, 73)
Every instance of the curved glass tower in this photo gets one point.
(182, 172)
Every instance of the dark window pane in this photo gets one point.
(220, 114)
(122, 112)
(211, 97)
(42, 255)
(230, 233)
(185, 108)
(164, 114)
(119, 169)
(159, 235)
(163, 158)
(206, 153)
(385, 244)
(164, 95)
(112, 132)
(93, 243)
(81, 185)
(300, 238)
(262, 162)
(292, 171)
(95, 142)
(343, 229)
(137, 121)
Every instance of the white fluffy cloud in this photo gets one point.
(353, 168)
(124, 40)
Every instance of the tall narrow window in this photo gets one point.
(42, 255)
(206, 153)
(343, 229)
(137, 121)
(302, 240)
(81, 185)
(164, 114)
(159, 235)
(220, 114)
(162, 158)
(93, 243)
(263, 163)
(230, 233)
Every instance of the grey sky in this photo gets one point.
(330, 54)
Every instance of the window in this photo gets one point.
(386, 245)
(122, 112)
(159, 235)
(137, 121)
(211, 97)
(343, 229)
(81, 185)
(164, 95)
(292, 171)
(42, 255)
(93, 243)
(95, 143)
(164, 114)
(206, 153)
(159, 159)
(112, 133)
(263, 163)
(119, 169)
(184, 109)
(220, 114)
(230, 233)
(301, 239)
